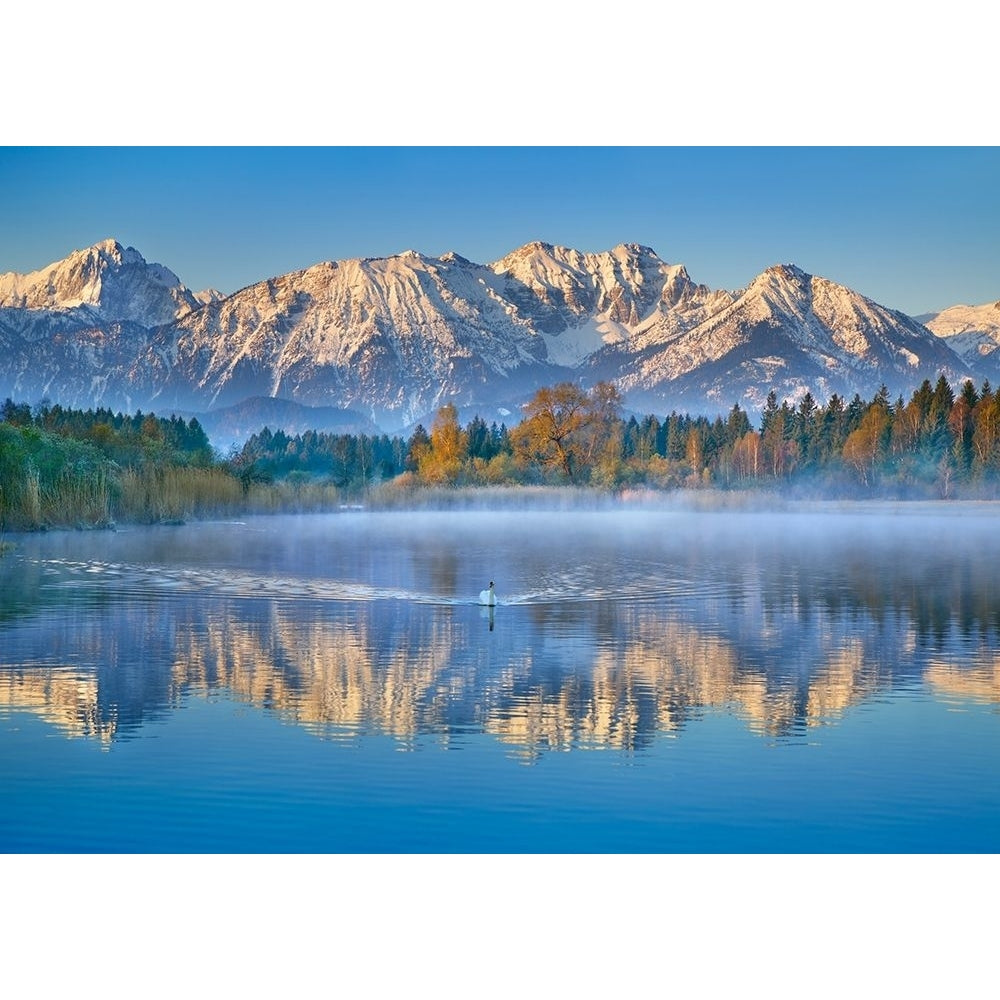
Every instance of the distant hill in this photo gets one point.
(233, 425)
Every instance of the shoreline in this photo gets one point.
(549, 499)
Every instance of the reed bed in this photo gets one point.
(31, 503)
(179, 493)
(176, 493)
(286, 497)
(103, 497)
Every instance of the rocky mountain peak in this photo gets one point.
(113, 252)
(634, 250)
(782, 274)
(455, 258)
(114, 282)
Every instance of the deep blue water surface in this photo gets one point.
(822, 679)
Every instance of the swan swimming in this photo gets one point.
(488, 597)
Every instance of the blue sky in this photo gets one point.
(916, 229)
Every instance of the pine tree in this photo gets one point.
(420, 442)
(806, 432)
(961, 424)
(832, 433)
(737, 425)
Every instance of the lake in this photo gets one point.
(819, 678)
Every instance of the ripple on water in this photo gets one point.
(578, 585)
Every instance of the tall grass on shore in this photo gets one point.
(172, 493)
(72, 498)
(181, 493)
(53, 480)
(290, 497)
(101, 496)
(48, 480)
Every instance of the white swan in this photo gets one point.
(488, 597)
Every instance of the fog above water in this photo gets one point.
(812, 677)
(622, 551)
(613, 625)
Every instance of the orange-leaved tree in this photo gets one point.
(442, 459)
(566, 430)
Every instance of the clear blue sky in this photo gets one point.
(916, 229)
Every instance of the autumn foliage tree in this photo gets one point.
(442, 460)
(566, 430)
(941, 442)
(866, 446)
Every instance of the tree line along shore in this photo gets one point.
(62, 467)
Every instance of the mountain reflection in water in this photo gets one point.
(607, 636)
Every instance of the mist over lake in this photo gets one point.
(816, 678)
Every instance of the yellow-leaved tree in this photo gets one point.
(442, 460)
(566, 431)
(866, 446)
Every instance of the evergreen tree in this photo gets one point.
(630, 439)
(737, 425)
(770, 412)
(856, 409)
(675, 438)
(806, 435)
(480, 444)
(961, 424)
(936, 434)
(420, 442)
(832, 432)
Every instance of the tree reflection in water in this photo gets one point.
(619, 639)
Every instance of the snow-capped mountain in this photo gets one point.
(115, 283)
(791, 332)
(73, 331)
(394, 338)
(973, 333)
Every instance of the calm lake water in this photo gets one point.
(821, 679)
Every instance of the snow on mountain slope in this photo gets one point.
(394, 338)
(50, 355)
(972, 332)
(116, 283)
(964, 319)
(558, 288)
(582, 302)
(397, 336)
(207, 296)
(73, 331)
(794, 332)
(403, 334)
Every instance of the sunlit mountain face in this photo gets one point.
(390, 340)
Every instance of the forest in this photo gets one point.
(65, 467)
(937, 444)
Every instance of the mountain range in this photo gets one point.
(390, 340)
